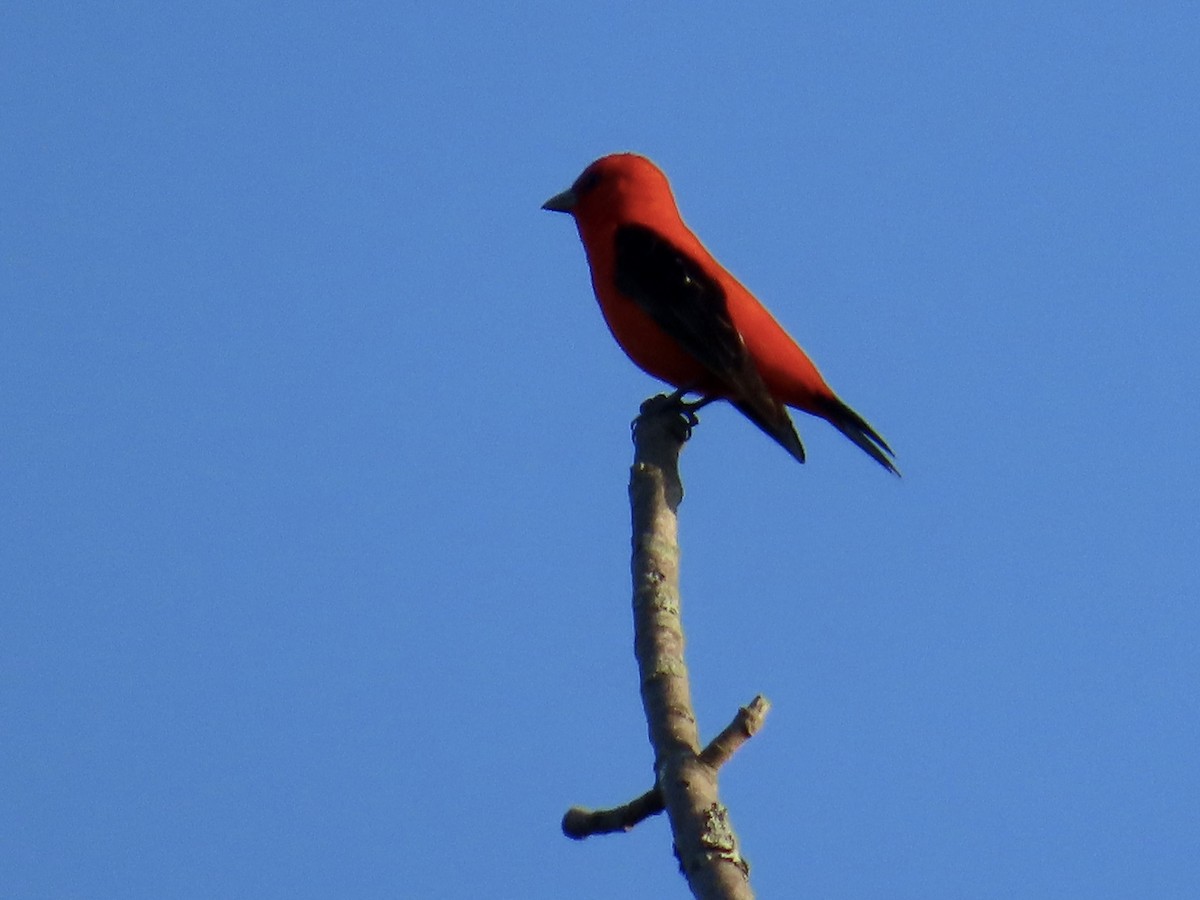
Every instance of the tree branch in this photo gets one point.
(685, 777)
(580, 822)
(704, 840)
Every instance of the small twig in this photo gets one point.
(580, 822)
(744, 726)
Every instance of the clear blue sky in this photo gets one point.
(313, 528)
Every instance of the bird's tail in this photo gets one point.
(855, 427)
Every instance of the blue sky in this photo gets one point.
(314, 566)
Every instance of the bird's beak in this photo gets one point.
(564, 202)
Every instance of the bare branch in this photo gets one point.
(581, 822)
(704, 840)
(685, 777)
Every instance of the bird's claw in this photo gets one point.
(674, 403)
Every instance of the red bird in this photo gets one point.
(681, 317)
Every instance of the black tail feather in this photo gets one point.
(855, 427)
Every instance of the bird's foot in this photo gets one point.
(675, 403)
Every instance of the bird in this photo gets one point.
(682, 318)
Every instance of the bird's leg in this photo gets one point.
(698, 404)
(688, 410)
(677, 397)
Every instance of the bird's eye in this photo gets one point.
(586, 182)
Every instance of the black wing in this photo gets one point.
(671, 288)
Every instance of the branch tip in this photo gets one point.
(747, 723)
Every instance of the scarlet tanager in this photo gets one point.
(681, 317)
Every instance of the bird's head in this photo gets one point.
(622, 186)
